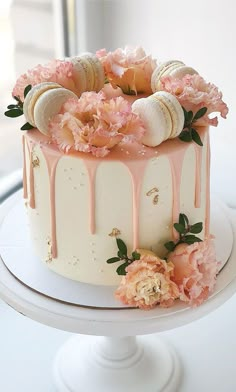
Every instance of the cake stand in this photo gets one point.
(114, 358)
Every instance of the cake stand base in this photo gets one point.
(105, 364)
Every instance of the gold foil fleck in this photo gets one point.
(49, 256)
(35, 162)
(115, 232)
(154, 191)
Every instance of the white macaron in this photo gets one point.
(162, 116)
(33, 95)
(173, 68)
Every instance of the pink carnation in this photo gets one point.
(130, 69)
(195, 270)
(94, 124)
(57, 71)
(193, 93)
(148, 283)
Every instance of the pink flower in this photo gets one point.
(57, 71)
(130, 69)
(148, 283)
(195, 270)
(193, 93)
(95, 124)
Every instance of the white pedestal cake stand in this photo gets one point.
(119, 361)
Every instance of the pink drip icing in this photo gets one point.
(176, 163)
(136, 170)
(208, 159)
(91, 166)
(25, 190)
(198, 155)
(30, 146)
(52, 159)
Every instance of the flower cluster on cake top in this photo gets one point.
(169, 100)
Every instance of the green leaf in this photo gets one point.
(121, 246)
(170, 246)
(113, 260)
(12, 106)
(190, 239)
(179, 228)
(200, 113)
(196, 138)
(120, 255)
(196, 228)
(27, 89)
(14, 113)
(26, 127)
(185, 114)
(183, 220)
(121, 269)
(189, 117)
(185, 136)
(17, 98)
(136, 255)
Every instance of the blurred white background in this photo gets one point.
(203, 35)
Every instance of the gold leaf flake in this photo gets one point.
(35, 161)
(153, 190)
(49, 256)
(115, 232)
(156, 199)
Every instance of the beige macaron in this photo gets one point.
(173, 68)
(162, 116)
(88, 72)
(32, 97)
(48, 105)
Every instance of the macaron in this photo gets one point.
(99, 76)
(32, 97)
(162, 116)
(173, 68)
(175, 110)
(88, 72)
(48, 105)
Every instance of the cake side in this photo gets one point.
(81, 204)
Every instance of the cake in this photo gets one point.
(117, 173)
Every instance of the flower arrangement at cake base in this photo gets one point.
(187, 273)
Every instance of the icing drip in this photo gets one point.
(208, 159)
(25, 190)
(198, 170)
(30, 146)
(91, 166)
(52, 158)
(176, 162)
(136, 170)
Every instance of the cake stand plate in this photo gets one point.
(119, 362)
(19, 257)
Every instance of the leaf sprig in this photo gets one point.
(16, 110)
(123, 256)
(189, 132)
(186, 233)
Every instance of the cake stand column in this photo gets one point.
(127, 364)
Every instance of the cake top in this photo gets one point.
(92, 103)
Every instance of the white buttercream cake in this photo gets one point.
(122, 167)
